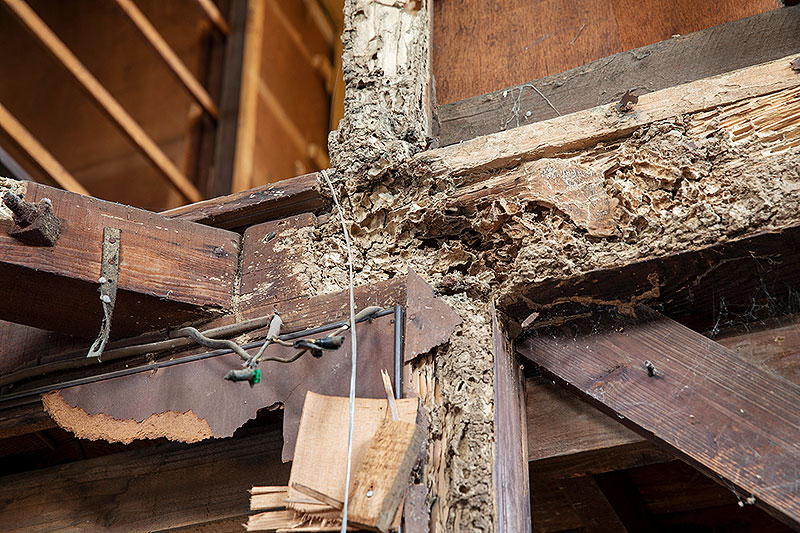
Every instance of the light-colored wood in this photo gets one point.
(384, 474)
(603, 123)
(107, 103)
(248, 97)
(168, 55)
(212, 12)
(38, 153)
(268, 501)
(320, 455)
(272, 520)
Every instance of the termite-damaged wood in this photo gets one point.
(171, 271)
(603, 123)
(702, 402)
(170, 481)
(283, 199)
(756, 39)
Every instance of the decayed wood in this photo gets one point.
(268, 498)
(106, 103)
(513, 502)
(170, 270)
(384, 473)
(179, 485)
(732, 420)
(168, 55)
(603, 123)
(757, 39)
(38, 153)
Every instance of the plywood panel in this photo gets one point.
(480, 47)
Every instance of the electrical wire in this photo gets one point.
(354, 352)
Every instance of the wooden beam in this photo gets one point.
(283, 199)
(219, 180)
(756, 39)
(178, 485)
(38, 153)
(212, 12)
(604, 123)
(171, 271)
(243, 164)
(513, 502)
(168, 55)
(590, 504)
(100, 96)
(732, 420)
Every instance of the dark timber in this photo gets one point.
(731, 420)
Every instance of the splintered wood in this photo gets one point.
(384, 452)
(383, 475)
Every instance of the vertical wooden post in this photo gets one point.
(512, 487)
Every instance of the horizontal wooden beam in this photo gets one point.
(479, 156)
(685, 58)
(103, 99)
(271, 202)
(735, 422)
(170, 271)
(155, 488)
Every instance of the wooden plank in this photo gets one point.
(757, 39)
(212, 12)
(220, 181)
(168, 56)
(603, 123)
(567, 437)
(23, 419)
(479, 50)
(384, 474)
(513, 502)
(696, 284)
(107, 103)
(170, 270)
(178, 485)
(38, 153)
(730, 419)
(590, 504)
(248, 97)
(272, 254)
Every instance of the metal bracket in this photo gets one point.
(109, 275)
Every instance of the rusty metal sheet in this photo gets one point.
(198, 386)
(429, 320)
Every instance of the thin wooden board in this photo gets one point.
(321, 452)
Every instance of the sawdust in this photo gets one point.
(181, 427)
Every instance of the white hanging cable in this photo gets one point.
(354, 352)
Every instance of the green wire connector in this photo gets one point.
(256, 376)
